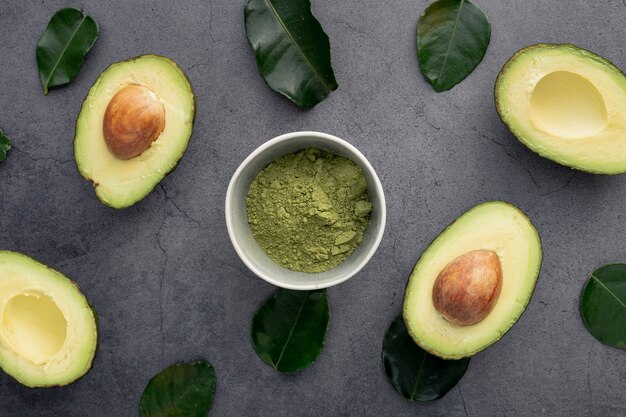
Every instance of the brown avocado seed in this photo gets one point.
(468, 287)
(134, 118)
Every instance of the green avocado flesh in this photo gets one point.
(121, 183)
(494, 226)
(48, 331)
(566, 104)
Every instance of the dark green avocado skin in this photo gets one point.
(505, 67)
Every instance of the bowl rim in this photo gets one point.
(362, 161)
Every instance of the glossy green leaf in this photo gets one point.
(415, 373)
(5, 146)
(62, 47)
(603, 305)
(292, 50)
(289, 330)
(452, 38)
(182, 390)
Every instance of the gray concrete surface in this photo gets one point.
(166, 281)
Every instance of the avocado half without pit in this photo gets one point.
(473, 282)
(566, 104)
(133, 128)
(48, 330)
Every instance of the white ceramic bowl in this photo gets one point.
(237, 216)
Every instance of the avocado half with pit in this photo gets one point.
(566, 104)
(48, 331)
(133, 128)
(473, 282)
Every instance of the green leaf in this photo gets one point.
(292, 50)
(62, 47)
(182, 390)
(415, 373)
(452, 38)
(603, 305)
(289, 330)
(5, 146)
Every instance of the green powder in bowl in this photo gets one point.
(309, 210)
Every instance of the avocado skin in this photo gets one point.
(165, 175)
(93, 312)
(532, 292)
(499, 82)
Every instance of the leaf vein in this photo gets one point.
(295, 44)
(56, 65)
(609, 291)
(280, 357)
(187, 391)
(456, 23)
(419, 377)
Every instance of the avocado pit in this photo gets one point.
(134, 118)
(468, 287)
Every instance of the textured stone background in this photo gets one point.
(166, 281)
